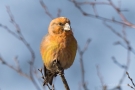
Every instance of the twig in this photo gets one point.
(59, 13)
(128, 62)
(120, 43)
(64, 82)
(81, 52)
(120, 14)
(125, 22)
(104, 87)
(94, 9)
(20, 37)
(47, 12)
(43, 77)
(90, 3)
(53, 88)
(45, 8)
(40, 80)
(40, 70)
(123, 37)
(113, 30)
(17, 69)
(117, 63)
(133, 87)
(61, 73)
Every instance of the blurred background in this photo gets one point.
(33, 22)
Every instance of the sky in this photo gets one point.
(34, 24)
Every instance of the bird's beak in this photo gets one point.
(67, 27)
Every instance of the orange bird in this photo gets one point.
(59, 44)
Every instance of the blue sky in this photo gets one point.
(34, 23)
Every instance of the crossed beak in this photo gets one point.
(67, 27)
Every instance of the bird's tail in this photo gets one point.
(48, 76)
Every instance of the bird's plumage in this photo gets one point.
(59, 44)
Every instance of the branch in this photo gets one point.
(46, 9)
(104, 87)
(129, 49)
(117, 63)
(81, 52)
(43, 77)
(17, 34)
(59, 13)
(78, 6)
(64, 82)
(47, 12)
(133, 87)
(17, 69)
(60, 71)
(121, 15)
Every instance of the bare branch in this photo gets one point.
(123, 37)
(64, 81)
(46, 10)
(81, 52)
(59, 13)
(90, 3)
(61, 73)
(19, 36)
(17, 69)
(10, 31)
(120, 14)
(94, 9)
(85, 47)
(125, 22)
(104, 87)
(117, 63)
(43, 77)
(133, 87)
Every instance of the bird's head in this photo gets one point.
(60, 25)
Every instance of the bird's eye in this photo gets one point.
(60, 24)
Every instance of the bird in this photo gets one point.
(59, 45)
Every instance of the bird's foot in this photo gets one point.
(57, 64)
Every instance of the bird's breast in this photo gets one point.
(62, 49)
(64, 54)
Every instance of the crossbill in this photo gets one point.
(59, 44)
